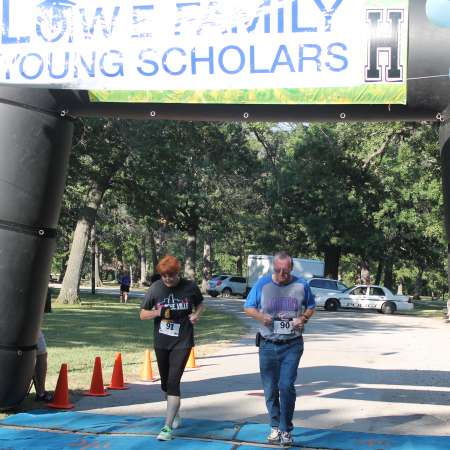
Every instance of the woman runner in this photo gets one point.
(175, 305)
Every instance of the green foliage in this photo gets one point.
(371, 190)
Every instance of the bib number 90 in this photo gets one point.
(283, 326)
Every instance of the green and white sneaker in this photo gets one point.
(176, 421)
(274, 436)
(165, 434)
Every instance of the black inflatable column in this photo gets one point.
(35, 142)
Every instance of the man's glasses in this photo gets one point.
(282, 271)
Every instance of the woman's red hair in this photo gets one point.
(168, 264)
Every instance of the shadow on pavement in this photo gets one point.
(336, 382)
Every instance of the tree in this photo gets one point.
(184, 179)
(99, 156)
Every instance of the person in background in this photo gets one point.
(282, 303)
(40, 369)
(125, 282)
(175, 305)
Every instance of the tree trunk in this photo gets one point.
(119, 257)
(191, 249)
(143, 261)
(71, 283)
(131, 275)
(400, 287)
(69, 292)
(93, 260)
(160, 242)
(207, 263)
(365, 273)
(62, 270)
(379, 272)
(389, 274)
(98, 265)
(153, 250)
(239, 265)
(332, 257)
(418, 284)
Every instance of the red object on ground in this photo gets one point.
(117, 375)
(61, 397)
(97, 388)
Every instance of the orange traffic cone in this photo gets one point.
(191, 361)
(61, 397)
(97, 389)
(147, 372)
(117, 375)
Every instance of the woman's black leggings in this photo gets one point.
(171, 364)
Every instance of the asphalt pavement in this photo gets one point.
(361, 371)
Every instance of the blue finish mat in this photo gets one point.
(46, 440)
(103, 423)
(80, 429)
(348, 440)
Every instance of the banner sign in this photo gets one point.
(210, 51)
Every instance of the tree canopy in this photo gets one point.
(364, 197)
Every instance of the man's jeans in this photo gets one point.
(278, 365)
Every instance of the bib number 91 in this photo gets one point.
(169, 328)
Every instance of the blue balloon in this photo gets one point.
(438, 12)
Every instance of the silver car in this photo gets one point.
(227, 285)
(321, 286)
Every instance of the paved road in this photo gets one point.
(109, 290)
(361, 371)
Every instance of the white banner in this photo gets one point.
(218, 47)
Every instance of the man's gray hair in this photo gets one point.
(283, 255)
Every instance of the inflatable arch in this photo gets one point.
(270, 60)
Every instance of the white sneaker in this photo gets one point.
(274, 436)
(165, 434)
(176, 421)
(286, 439)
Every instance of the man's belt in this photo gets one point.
(281, 341)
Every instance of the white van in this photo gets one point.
(259, 265)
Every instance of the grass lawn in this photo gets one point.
(427, 307)
(101, 326)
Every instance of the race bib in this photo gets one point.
(283, 326)
(169, 328)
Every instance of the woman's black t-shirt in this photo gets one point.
(173, 329)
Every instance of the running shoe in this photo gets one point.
(176, 421)
(274, 436)
(45, 397)
(286, 439)
(165, 434)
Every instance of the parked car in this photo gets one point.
(260, 265)
(320, 286)
(365, 297)
(227, 285)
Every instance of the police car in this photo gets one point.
(365, 297)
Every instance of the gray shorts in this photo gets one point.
(41, 344)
